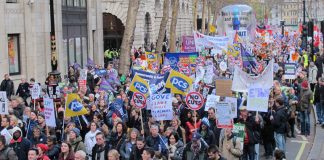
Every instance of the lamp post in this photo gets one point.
(304, 35)
(282, 24)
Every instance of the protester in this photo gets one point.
(7, 85)
(306, 97)
(53, 148)
(76, 140)
(20, 144)
(67, 152)
(175, 147)
(196, 149)
(128, 145)
(113, 155)
(33, 154)
(279, 121)
(23, 90)
(214, 153)
(101, 148)
(90, 138)
(6, 152)
(230, 146)
(42, 149)
(148, 154)
(80, 155)
(138, 149)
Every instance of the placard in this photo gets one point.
(258, 99)
(194, 100)
(82, 81)
(188, 44)
(3, 103)
(139, 100)
(290, 71)
(35, 92)
(211, 101)
(49, 111)
(239, 132)
(223, 114)
(233, 103)
(223, 87)
(161, 106)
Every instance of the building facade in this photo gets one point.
(82, 28)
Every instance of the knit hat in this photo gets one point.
(76, 131)
(304, 84)
(196, 136)
(205, 122)
(43, 147)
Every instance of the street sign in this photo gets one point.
(194, 100)
(139, 100)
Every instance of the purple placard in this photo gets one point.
(188, 44)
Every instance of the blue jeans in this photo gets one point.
(280, 141)
(305, 122)
(320, 112)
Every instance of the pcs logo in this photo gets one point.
(75, 106)
(179, 83)
(141, 87)
(150, 56)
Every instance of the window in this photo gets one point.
(83, 3)
(76, 3)
(13, 54)
(63, 2)
(70, 3)
(12, 1)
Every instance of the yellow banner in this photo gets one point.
(74, 106)
(152, 61)
(178, 83)
(138, 84)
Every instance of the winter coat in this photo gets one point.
(70, 156)
(280, 118)
(116, 141)
(29, 127)
(306, 96)
(21, 146)
(8, 153)
(8, 87)
(136, 154)
(95, 151)
(235, 150)
(126, 149)
(156, 143)
(312, 71)
(208, 136)
(251, 129)
(189, 155)
(90, 141)
(44, 157)
(78, 144)
(41, 139)
(23, 90)
(53, 152)
(176, 151)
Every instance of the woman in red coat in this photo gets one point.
(191, 125)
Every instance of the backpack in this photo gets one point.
(234, 144)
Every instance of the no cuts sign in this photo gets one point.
(194, 100)
(139, 100)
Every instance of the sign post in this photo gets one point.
(195, 101)
(140, 102)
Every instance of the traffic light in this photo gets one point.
(310, 29)
(305, 30)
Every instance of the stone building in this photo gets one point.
(81, 29)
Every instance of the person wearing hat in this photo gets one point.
(196, 149)
(19, 144)
(76, 140)
(306, 97)
(42, 149)
(205, 131)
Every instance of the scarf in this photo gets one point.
(195, 148)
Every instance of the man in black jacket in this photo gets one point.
(7, 85)
(19, 144)
(23, 90)
(138, 149)
(101, 148)
(279, 121)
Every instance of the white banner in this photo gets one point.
(49, 111)
(242, 80)
(3, 103)
(161, 106)
(258, 98)
(216, 43)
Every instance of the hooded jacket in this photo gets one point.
(77, 144)
(21, 145)
(90, 141)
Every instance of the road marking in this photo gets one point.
(296, 141)
(301, 150)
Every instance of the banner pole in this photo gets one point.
(195, 113)
(142, 124)
(34, 104)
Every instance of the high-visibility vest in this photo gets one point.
(305, 56)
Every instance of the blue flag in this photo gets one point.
(248, 59)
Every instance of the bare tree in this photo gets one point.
(128, 38)
(203, 23)
(173, 26)
(194, 12)
(163, 25)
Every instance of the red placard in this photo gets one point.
(139, 100)
(194, 100)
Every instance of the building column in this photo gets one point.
(3, 42)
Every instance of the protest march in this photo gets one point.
(220, 97)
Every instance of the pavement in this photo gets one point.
(317, 151)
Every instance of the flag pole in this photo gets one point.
(62, 136)
(142, 124)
